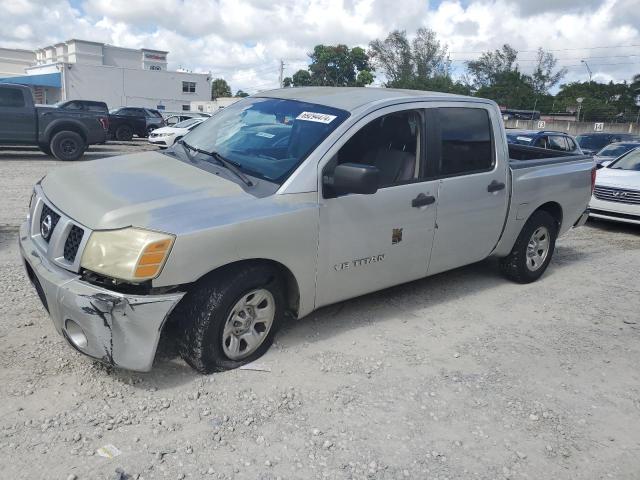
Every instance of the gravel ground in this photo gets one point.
(463, 375)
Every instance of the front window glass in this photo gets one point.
(630, 161)
(266, 137)
(390, 143)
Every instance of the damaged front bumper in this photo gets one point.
(119, 329)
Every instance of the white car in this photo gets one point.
(616, 195)
(167, 136)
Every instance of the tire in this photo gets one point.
(202, 315)
(124, 133)
(67, 146)
(45, 149)
(525, 264)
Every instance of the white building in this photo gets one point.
(212, 106)
(79, 69)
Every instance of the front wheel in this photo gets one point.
(533, 249)
(230, 319)
(67, 146)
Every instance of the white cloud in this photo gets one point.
(243, 40)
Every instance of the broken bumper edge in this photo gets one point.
(118, 329)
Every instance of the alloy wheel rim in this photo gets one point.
(248, 324)
(538, 248)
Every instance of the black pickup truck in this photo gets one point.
(63, 133)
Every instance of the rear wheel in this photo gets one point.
(231, 319)
(67, 146)
(124, 133)
(533, 249)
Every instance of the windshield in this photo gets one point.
(631, 161)
(616, 149)
(592, 142)
(266, 137)
(187, 123)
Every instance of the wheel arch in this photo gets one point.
(292, 289)
(65, 126)
(552, 208)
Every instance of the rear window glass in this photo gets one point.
(592, 142)
(466, 140)
(96, 107)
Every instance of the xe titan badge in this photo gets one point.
(45, 227)
(396, 236)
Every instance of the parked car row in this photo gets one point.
(63, 133)
(166, 136)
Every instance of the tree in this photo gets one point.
(491, 66)
(302, 78)
(339, 66)
(603, 102)
(241, 94)
(421, 64)
(543, 77)
(511, 89)
(220, 88)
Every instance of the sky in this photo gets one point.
(244, 40)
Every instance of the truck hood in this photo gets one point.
(148, 190)
(611, 177)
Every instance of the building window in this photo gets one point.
(200, 108)
(185, 108)
(155, 67)
(188, 87)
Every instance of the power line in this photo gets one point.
(560, 49)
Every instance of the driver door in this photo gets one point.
(370, 242)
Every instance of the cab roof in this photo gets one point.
(352, 98)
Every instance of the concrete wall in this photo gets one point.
(133, 87)
(14, 61)
(574, 128)
(121, 57)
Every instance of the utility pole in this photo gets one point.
(588, 69)
(281, 76)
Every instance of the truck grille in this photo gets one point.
(51, 222)
(72, 243)
(57, 237)
(619, 195)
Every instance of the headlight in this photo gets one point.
(130, 254)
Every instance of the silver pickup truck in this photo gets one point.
(282, 203)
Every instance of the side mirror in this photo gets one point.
(603, 164)
(355, 178)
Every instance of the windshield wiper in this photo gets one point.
(228, 164)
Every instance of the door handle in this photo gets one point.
(495, 186)
(421, 200)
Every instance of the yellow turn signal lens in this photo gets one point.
(152, 259)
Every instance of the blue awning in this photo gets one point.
(42, 80)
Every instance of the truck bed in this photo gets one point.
(539, 176)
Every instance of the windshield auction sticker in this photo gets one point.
(316, 117)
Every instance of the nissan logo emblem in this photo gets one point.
(45, 227)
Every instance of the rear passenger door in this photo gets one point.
(472, 191)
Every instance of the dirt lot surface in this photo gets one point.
(463, 375)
